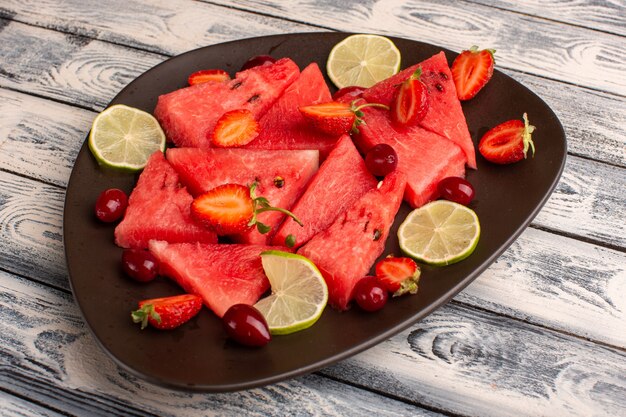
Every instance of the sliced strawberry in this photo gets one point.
(167, 312)
(398, 275)
(410, 101)
(227, 208)
(333, 118)
(508, 142)
(235, 128)
(471, 70)
(208, 76)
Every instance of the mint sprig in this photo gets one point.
(358, 121)
(261, 205)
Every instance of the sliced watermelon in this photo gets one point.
(189, 115)
(159, 208)
(340, 181)
(283, 127)
(223, 275)
(281, 175)
(445, 115)
(345, 252)
(425, 157)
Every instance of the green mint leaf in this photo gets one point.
(263, 228)
(290, 241)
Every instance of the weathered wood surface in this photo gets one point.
(577, 55)
(47, 354)
(541, 332)
(605, 15)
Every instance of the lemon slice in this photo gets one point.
(440, 233)
(299, 292)
(123, 137)
(362, 60)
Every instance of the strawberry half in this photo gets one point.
(333, 118)
(508, 142)
(410, 101)
(398, 275)
(471, 70)
(208, 76)
(168, 312)
(227, 208)
(235, 128)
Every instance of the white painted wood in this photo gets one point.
(537, 46)
(40, 138)
(605, 15)
(49, 355)
(168, 27)
(11, 406)
(475, 363)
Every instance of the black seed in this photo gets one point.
(279, 182)
(253, 98)
(439, 87)
(237, 85)
(365, 227)
(443, 75)
(377, 234)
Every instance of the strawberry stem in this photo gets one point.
(359, 114)
(143, 314)
(261, 205)
(527, 136)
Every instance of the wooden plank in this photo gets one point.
(537, 46)
(540, 269)
(12, 406)
(606, 15)
(49, 356)
(478, 364)
(40, 138)
(166, 27)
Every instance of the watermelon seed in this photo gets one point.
(279, 182)
(237, 85)
(377, 234)
(253, 98)
(439, 87)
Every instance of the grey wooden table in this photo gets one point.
(541, 332)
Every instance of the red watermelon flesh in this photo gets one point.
(445, 115)
(188, 116)
(223, 275)
(340, 181)
(202, 170)
(425, 157)
(159, 208)
(345, 252)
(284, 127)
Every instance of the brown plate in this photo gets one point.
(198, 356)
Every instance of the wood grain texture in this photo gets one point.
(48, 355)
(537, 46)
(12, 406)
(475, 363)
(605, 15)
(166, 27)
(40, 138)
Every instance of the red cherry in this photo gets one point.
(353, 92)
(456, 189)
(381, 160)
(246, 325)
(111, 204)
(258, 60)
(370, 295)
(140, 265)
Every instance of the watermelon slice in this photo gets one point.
(283, 127)
(425, 157)
(445, 115)
(223, 275)
(281, 175)
(159, 208)
(341, 180)
(189, 115)
(345, 251)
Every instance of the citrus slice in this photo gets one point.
(362, 60)
(299, 292)
(123, 137)
(439, 233)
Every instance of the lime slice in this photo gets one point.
(299, 292)
(362, 60)
(439, 233)
(123, 137)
